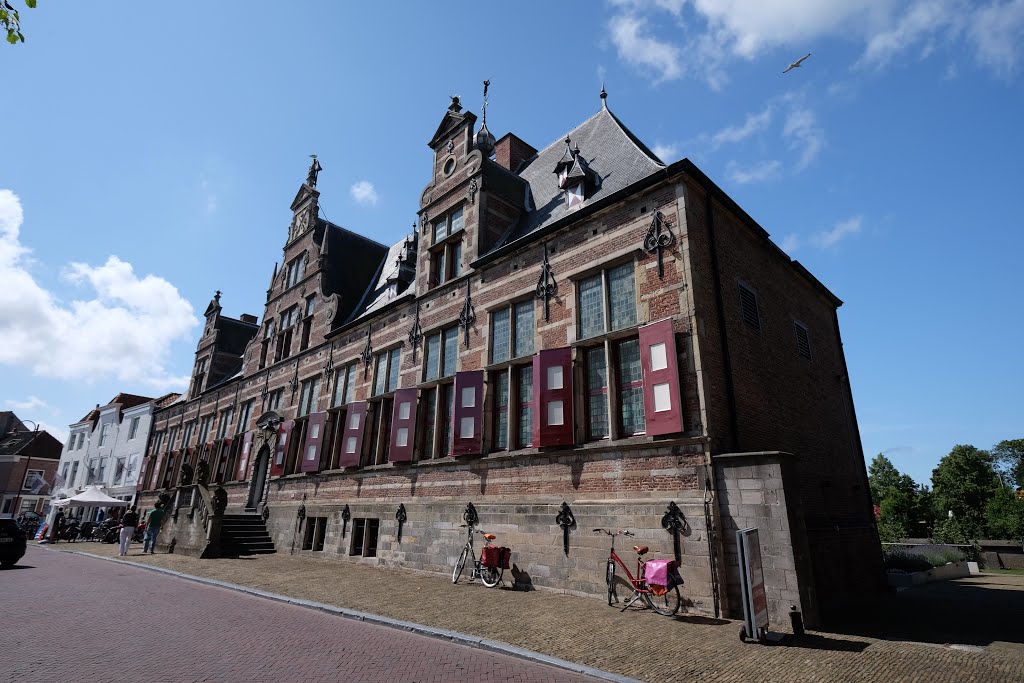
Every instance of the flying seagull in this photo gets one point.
(796, 63)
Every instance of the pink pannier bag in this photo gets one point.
(661, 575)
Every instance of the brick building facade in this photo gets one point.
(581, 324)
(28, 463)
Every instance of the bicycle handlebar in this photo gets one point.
(623, 532)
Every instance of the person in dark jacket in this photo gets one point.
(129, 521)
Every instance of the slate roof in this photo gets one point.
(394, 277)
(354, 264)
(615, 156)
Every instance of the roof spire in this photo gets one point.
(604, 97)
(314, 170)
(484, 140)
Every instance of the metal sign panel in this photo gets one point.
(755, 601)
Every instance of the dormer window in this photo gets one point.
(446, 252)
(574, 176)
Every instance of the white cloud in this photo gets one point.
(997, 31)
(804, 134)
(828, 239)
(59, 432)
(31, 403)
(636, 47)
(716, 33)
(755, 123)
(123, 331)
(755, 173)
(364, 193)
(667, 153)
(790, 243)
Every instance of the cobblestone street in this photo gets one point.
(74, 618)
(635, 644)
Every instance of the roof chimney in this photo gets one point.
(510, 151)
(247, 318)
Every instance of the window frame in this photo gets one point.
(133, 428)
(443, 335)
(445, 254)
(308, 401)
(514, 352)
(606, 301)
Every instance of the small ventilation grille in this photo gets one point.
(748, 304)
(803, 343)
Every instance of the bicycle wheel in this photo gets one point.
(609, 577)
(460, 564)
(667, 604)
(490, 576)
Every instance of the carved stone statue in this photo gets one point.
(220, 501)
(202, 472)
(186, 474)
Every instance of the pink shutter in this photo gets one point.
(663, 410)
(313, 446)
(403, 426)
(223, 457)
(157, 482)
(243, 457)
(552, 398)
(284, 432)
(352, 441)
(467, 413)
(144, 473)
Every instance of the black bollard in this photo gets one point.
(797, 621)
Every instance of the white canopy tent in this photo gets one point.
(91, 497)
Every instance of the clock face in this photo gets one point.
(574, 196)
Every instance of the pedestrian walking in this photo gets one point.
(58, 526)
(153, 520)
(129, 521)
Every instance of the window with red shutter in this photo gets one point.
(403, 426)
(243, 460)
(662, 404)
(156, 482)
(313, 446)
(284, 432)
(352, 440)
(467, 413)
(553, 398)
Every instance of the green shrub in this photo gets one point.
(906, 561)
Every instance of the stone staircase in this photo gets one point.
(244, 534)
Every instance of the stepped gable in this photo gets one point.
(615, 156)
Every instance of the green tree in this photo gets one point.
(962, 484)
(902, 503)
(884, 477)
(1004, 515)
(1009, 457)
(10, 20)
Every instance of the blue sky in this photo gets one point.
(149, 158)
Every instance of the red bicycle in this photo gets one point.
(660, 594)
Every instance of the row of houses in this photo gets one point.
(577, 331)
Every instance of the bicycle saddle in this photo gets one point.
(490, 537)
(641, 549)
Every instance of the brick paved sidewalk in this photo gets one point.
(638, 644)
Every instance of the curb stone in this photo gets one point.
(420, 629)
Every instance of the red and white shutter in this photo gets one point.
(168, 473)
(468, 413)
(243, 457)
(144, 473)
(224, 459)
(284, 432)
(552, 398)
(156, 481)
(403, 426)
(352, 440)
(663, 409)
(313, 446)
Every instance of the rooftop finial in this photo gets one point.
(484, 140)
(314, 170)
(216, 296)
(455, 106)
(604, 96)
(487, 84)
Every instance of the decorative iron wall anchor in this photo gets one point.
(366, 355)
(658, 238)
(400, 517)
(470, 515)
(674, 522)
(416, 332)
(468, 316)
(328, 373)
(293, 383)
(346, 515)
(546, 285)
(300, 515)
(567, 521)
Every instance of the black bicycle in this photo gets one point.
(489, 567)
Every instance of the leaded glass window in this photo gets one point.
(631, 387)
(500, 335)
(597, 393)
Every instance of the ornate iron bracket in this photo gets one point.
(265, 391)
(658, 238)
(470, 515)
(674, 522)
(346, 515)
(546, 285)
(471, 192)
(468, 316)
(293, 383)
(328, 370)
(400, 517)
(416, 333)
(567, 521)
(366, 355)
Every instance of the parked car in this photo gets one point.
(12, 542)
